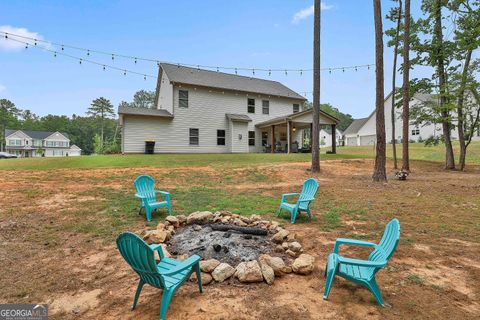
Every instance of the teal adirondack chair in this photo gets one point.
(363, 272)
(309, 190)
(148, 196)
(168, 275)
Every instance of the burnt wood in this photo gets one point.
(244, 230)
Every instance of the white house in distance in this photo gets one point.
(362, 132)
(201, 111)
(26, 143)
(326, 137)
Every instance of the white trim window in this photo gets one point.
(194, 136)
(265, 107)
(220, 137)
(251, 138)
(14, 142)
(415, 132)
(296, 108)
(250, 105)
(183, 98)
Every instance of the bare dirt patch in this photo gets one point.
(48, 255)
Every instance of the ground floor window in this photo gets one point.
(415, 132)
(251, 138)
(264, 138)
(220, 137)
(194, 136)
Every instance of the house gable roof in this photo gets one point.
(144, 112)
(356, 125)
(226, 81)
(40, 135)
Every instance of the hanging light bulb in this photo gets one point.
(113, 57)
(80, 61)
(286, 73)
(124, 72)
(26, 46)
(217, 69)
(236, 72)
(35, 41)
(301, 71)
(135, 60)
(88, 52)
(269, 72)
(103, 68)
(330, 71)
(55, 54)
(343, 69)
(356, 69)
(253, 71)
(145, 77)
(62, 48)
(6, 35)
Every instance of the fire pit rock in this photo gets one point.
(248, 249)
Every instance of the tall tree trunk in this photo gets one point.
(394, 85)
(316, 89)
(461, 99)
(406, 91)
(379, 172)
(442, 81)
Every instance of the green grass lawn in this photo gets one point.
(417, 152)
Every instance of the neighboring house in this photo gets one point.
(326, 137)
(26, 143)
(201, 111)
(362, 132)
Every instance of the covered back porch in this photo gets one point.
(287, 134)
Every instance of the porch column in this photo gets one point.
(273, 139)
(334, 138)
(289, 136)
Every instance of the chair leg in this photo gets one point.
(294, 215)
(140, 211)
(137, 293)
(328, 283)
(373, 287)
(199, 277)
(148, 213)
(166, 298)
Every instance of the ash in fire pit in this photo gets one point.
(226, 243)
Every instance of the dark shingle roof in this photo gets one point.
(355, 126)
(238, 117)
(40, 135)
(144, 112)
(213, 79)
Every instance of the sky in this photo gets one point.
(268, 34)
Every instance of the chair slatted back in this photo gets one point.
(145, 186)
(309, 189)
(388, 243)
(140, 257)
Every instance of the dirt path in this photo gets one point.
(434, 274)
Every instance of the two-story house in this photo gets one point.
(201, 111)
(26, 143)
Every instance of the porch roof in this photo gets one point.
(303, 116)
(144, 112)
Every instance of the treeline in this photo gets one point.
(95, 132)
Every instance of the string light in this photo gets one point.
(253, 71)
(55, 54)
(136, 59)
(80, 61)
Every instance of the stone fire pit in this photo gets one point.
(231, 246)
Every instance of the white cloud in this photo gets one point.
(7, 44)
(307, 12)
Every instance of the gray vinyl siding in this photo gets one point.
(206, 111)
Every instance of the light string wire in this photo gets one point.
(8, 36)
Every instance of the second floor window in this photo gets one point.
(220, 137)
(265, 106)
(251, 105)
(251, 138)
(296, 108)
(183, 98)
(194, 136)
(16, 142)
